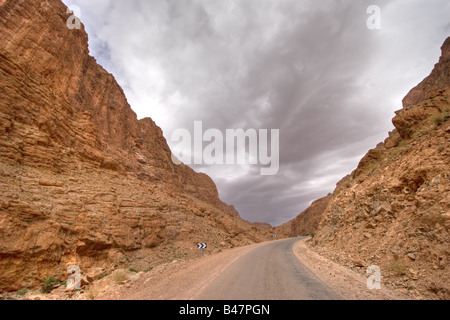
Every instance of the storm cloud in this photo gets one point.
(312, 69)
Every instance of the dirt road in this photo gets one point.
(268, 272)
(261, 271)
(283, 269)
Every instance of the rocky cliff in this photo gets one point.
(307, 222)
(83, 181)
(394, 209)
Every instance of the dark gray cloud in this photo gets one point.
(309, 68)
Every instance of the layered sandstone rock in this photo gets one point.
(394, 210)
(82, 180)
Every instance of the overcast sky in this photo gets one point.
(310, 68)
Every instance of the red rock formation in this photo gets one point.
(435, 84)
(82, 180)
(306, 222)
(428, 98)
(394, 210)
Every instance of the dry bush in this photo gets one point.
(92, 293)
(120, 276)
(398, 267)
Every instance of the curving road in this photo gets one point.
(268, 272)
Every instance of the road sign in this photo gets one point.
(202, 246)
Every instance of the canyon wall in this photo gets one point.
(307, 222)
(82, 180)
(394, 209)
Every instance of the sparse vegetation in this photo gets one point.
(22, 292)
(103, 275)
(372, 171)
(49, 283)
(133, 270)
(398, 267)
(440, 118)
(407, 132)
(402, 143)
(148, 269)
(92, 293)
(441, 149)
(120, 276)
(312, 234)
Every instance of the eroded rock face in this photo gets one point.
(82, 181)
(306, 222)
(436, 84)
(430, 97)
(393, 211)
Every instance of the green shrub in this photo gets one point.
(440, 118)
(22, 292)
(103, 275)
(49, 283)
